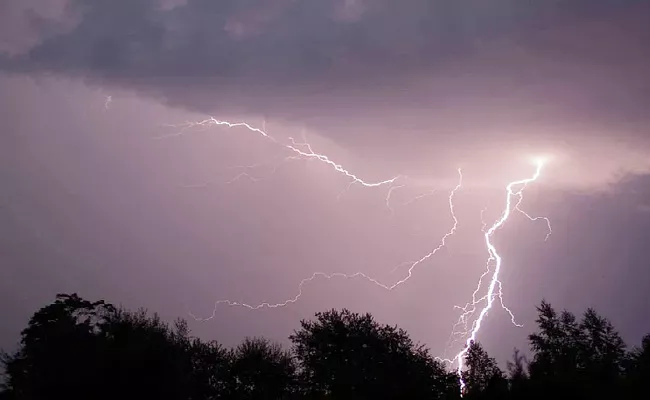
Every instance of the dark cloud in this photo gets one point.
(302, 48)
(273, 42)
(416, 85)
(483, 80)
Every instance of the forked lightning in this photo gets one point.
(481, 305)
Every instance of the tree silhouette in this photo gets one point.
(145, 357)
(76, 349)
(638, 370)
(517, 367)
(345, 355)
(483, 378)
(582, 359)
(517, 376)
(262, 370)
(211, 375)
(558, 345)
(604, 354)
(58, 352)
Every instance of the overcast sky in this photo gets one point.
(104, 191)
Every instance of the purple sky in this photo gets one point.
(94, 201)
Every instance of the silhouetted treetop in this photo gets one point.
(263, 370)
(483, 378)
(573, 357)
(77, 349)
(348, 355)
(60, 349)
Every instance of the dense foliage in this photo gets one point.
(76, 349)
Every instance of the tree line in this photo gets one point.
(77, 349)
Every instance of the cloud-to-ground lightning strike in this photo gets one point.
(495, 287)
(303, 150)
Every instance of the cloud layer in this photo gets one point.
(417, 85)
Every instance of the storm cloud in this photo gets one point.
(473, 83)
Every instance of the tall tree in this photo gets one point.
(483, 378)
(604, 350)
(59, 351)
(558, 354)
(558, 346)
(347, 355)
(577, 358)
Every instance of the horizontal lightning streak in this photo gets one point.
(293, 146)
(315, 275)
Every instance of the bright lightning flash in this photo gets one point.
(513, 190)
(514, 197)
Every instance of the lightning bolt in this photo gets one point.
(388, 196)
(545, 219)
(302, 150)
(495, 286)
